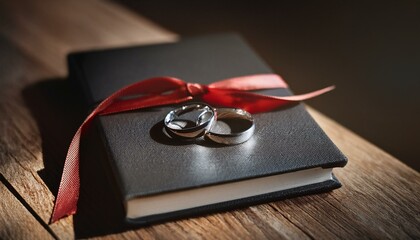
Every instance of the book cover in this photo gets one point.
(146, 165)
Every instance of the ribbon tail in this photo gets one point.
(255, 103)
(68, 192)
(305, 96)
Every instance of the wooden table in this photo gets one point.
(380, 197)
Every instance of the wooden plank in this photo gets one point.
(21, 156)
(39, 36)
(24, 224)
(380, 196)
(49, 30)
(379, 199)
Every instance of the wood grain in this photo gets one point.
(16, 222)
(379, 197)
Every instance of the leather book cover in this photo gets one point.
(145, 162)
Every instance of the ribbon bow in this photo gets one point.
(161, 91)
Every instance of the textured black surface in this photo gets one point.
(147, 162)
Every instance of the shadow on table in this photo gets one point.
(58, 111)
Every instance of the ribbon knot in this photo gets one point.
(233, 92)
(196, 89)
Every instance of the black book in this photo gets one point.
(158, 178)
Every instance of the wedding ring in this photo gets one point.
(189, 129)
(241, 124)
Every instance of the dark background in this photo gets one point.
(369, 49)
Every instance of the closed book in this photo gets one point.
(158, 178)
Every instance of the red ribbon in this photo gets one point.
(161, 91)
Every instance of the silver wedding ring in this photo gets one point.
(207, 121)
(177, 126)
(241, 126)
